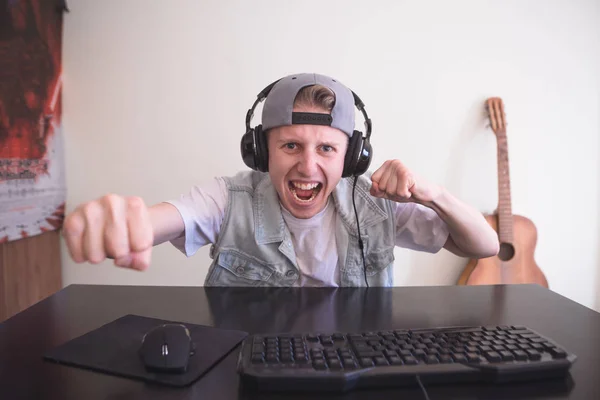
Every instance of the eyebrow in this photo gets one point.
(290, 138)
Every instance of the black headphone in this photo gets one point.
(255, 152)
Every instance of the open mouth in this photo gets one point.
(305, 192)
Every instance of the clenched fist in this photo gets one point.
(394, 181)
(114, 227)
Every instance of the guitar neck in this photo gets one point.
(505, 221)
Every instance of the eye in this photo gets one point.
(290, 146)
(327, 148)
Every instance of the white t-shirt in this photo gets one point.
(203, 209)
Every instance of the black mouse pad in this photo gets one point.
(114, 349)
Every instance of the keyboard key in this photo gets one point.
(520, 355)
(419, 353)
(409, 360)
(366, 362)
(348, 361)
(381, 361)
(329, 353)
(459, 358)
(350, 365)
(533, 355)
(359, 346)
(272, 358)
(390, 353)
(492, 356)
(557, 353)
(334, 364)
(370, 354)
(312, 338)
(258, 348)
(445, 358)
(431, 359)
(395, 360)
(257, 359)
(507, 355)
(319, 364)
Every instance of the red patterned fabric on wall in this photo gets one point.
(32, 179)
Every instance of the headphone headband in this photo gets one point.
(262, 95)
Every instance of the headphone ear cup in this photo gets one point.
(351, 158)
(247, 146)
(364, 157)
(262, 150)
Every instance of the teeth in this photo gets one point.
(312, 197)
(305, 186)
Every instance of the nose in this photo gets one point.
(308, 163)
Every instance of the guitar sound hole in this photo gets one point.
(507, 251)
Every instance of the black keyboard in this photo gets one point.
(344, 361)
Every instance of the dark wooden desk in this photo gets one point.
(80, 308)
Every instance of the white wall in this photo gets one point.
(155, 95)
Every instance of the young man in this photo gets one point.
(293, 221)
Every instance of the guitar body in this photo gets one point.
(516, 259)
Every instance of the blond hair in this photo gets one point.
(315, 96)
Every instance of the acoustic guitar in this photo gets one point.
(515, 262)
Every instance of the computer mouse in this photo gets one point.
(167, 348)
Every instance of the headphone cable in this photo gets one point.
(422, 388)
(360, 242)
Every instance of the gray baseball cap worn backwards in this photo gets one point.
(279, 104)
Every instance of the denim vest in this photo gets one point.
(254, 247)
